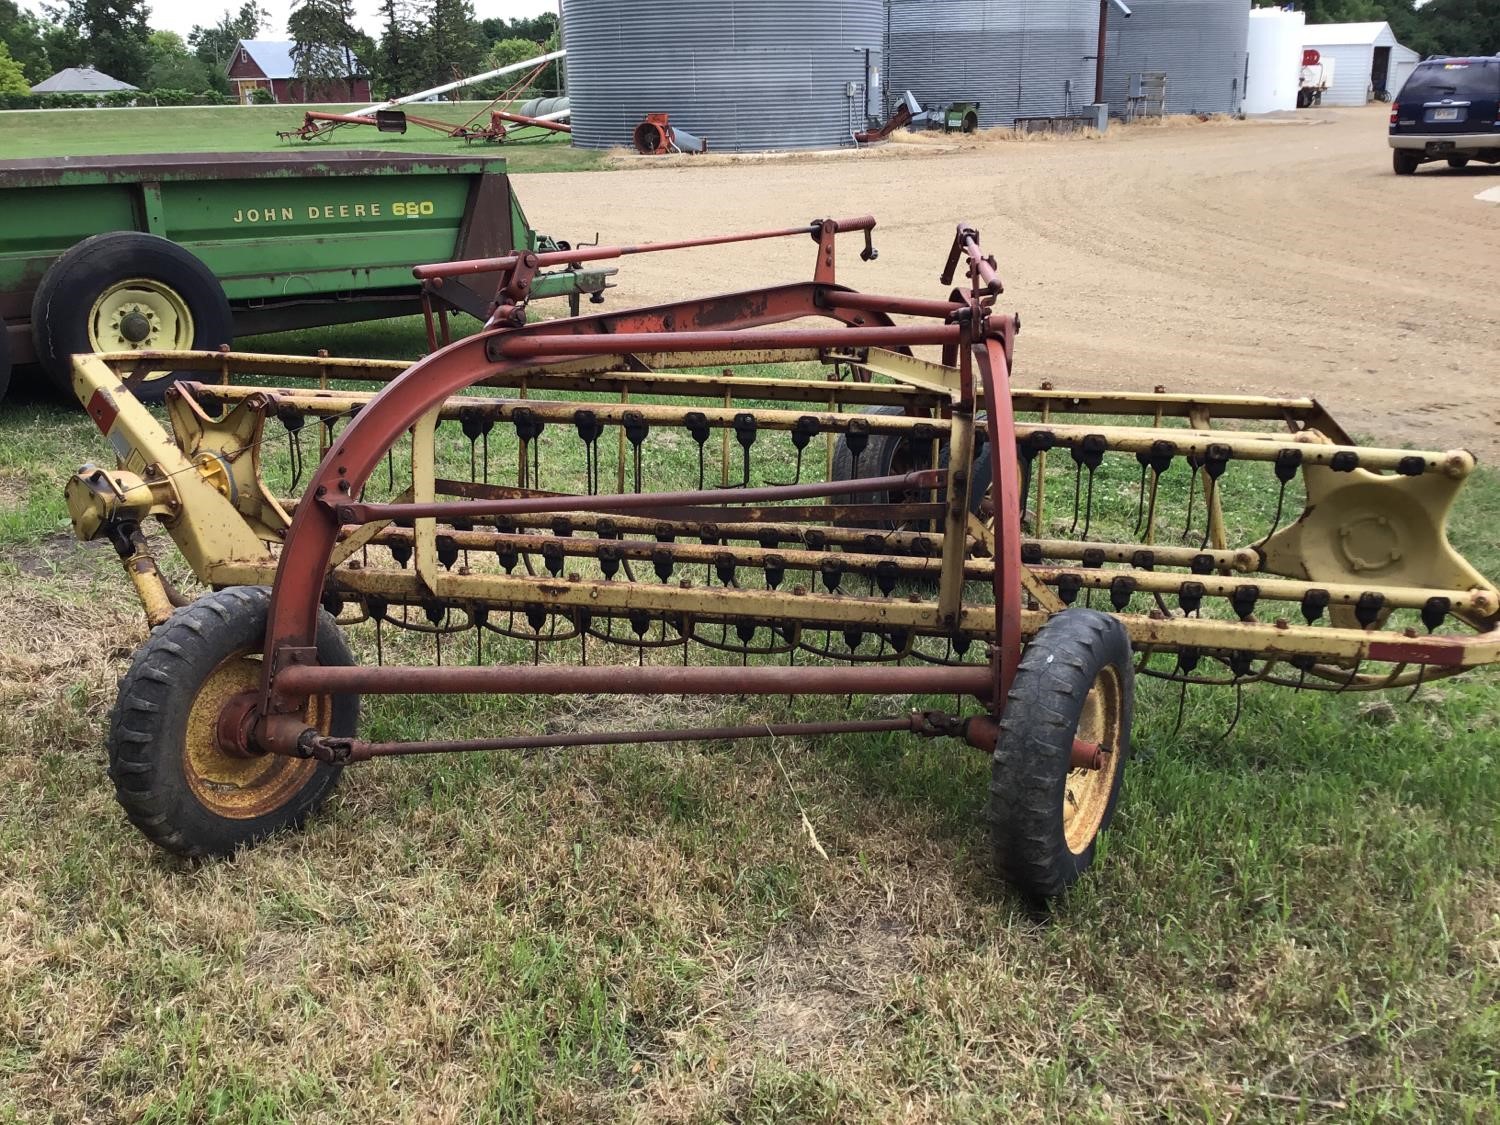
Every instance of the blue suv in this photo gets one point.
(1449, 110)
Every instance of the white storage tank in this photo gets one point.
(1016, 58)
(1274, 69)
(1198, 44)
(773, 74)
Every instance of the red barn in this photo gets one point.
(266, 64)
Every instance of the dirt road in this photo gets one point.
(1252, 257)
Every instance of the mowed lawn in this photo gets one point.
(93, 132)
(1296, 915)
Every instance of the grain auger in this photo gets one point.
(758, 495)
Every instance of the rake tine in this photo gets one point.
(1276, 519)
(1210, 486)
(1349, 680)
(294, 453)
(1148, 529)
(1239, 701)
(1140, 493)
(1077, 492)
(1181, 707)
(1416, 687)
(1088, 511)
(1192, 492)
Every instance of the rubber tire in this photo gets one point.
(884, 451)
(1033, 753)
(150, 715)
(1304, 99)
(5, 367)
(62, 303)
(1458, 161)
(1404, 162)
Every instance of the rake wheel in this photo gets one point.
(174, 781)
(886, 454)
(1074, 682)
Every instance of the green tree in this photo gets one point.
(452, 47)
(399, 58)
(172, 67)
(24, 35)
(537, 29)
(12, 78)
(215, 44)
(507, 51)
(109, 35)
(324, 43)
(1460, 27)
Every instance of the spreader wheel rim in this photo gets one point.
(140, 313)
(1087, 792)
(240, 787)
(185, 789)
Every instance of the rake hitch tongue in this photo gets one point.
(711, 497)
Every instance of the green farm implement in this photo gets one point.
(130, 253)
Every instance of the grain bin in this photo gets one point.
(774, 74)
(1016, 58)
(1198, 44)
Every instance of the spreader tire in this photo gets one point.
(1074, 680)
(175, 785)
(121, 291)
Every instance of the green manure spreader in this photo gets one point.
(188, 251)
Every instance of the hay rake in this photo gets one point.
(846, 518)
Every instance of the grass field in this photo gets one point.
(89, 132)
(1298, 919)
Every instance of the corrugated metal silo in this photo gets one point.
(773, 74)
(1198, 44)
(1016, 58)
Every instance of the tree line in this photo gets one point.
(421, 43)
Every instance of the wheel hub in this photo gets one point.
(221, 769)
(135, 325)
(140, 313)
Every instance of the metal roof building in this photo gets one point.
(774, 74)
(1367, 60)
(80, 80)
(1198, 44)
(1016, 58)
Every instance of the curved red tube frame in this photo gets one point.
(993, 359)
(296, 594)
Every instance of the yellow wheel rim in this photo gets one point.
(1086, 795)
(228, 785)
(140, 314)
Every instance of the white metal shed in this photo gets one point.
(1367, 60)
